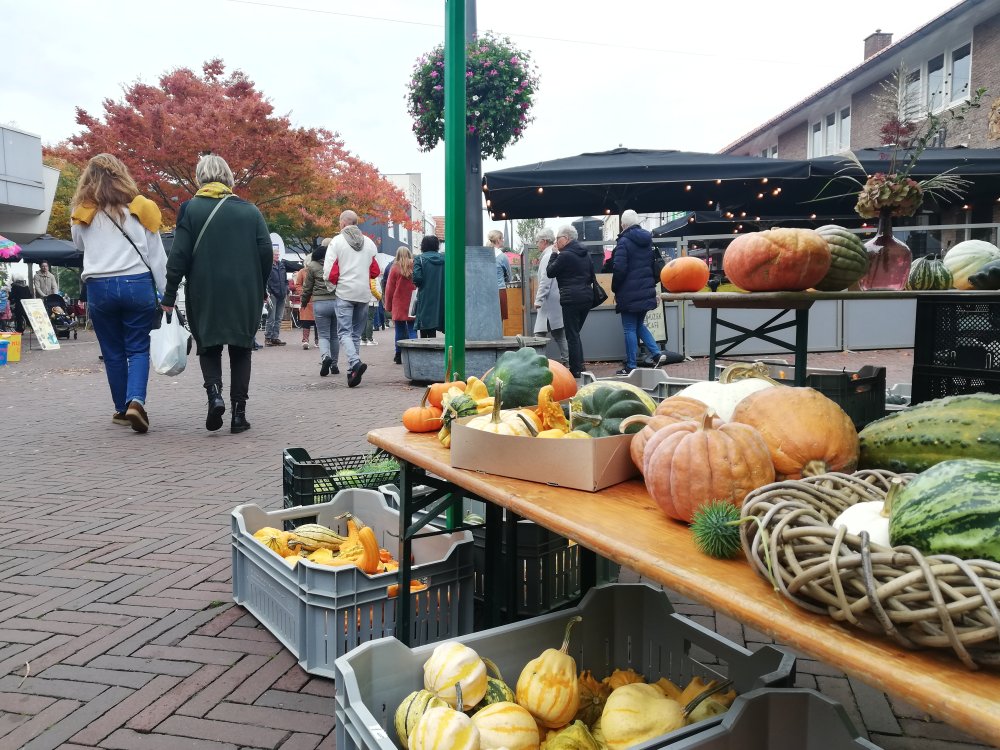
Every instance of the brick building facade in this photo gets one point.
(950, 56)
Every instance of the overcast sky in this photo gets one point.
(640, 73)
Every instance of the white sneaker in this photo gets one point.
(305, 344)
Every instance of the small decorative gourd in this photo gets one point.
(497, 691)
(506, 725)
(454, 663)
(548, 685)
(412, 707)
(593, 696)
(929, 273)
(638, 712)
(370, 558)
(422, 418)
(445, 728)
(690, 464)
(499, 421)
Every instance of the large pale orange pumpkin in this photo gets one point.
(563, 382)
(806, 433)
(669, 411)
(689, 464)
(777, 260)
(685, 274)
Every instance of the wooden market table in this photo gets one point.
(623, 524)
(797, 305)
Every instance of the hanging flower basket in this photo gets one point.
(500, 83)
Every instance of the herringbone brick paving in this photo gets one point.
(117, 627)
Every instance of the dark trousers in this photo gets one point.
(428, 333)
(239, 370)
(20, 318)
(574, 316)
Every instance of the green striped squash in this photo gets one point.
(914, 439)
(849, 258)
(411, 709)
(497, 691)
(953, 508)
(928, 272)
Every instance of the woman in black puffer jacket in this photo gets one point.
(634, 284)
(571, 266)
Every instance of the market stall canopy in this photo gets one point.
(695, 223)
(53, 251)
(643, 180)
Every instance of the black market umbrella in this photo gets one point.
(695, 223)
(981, 166)
(646, 181)
(50, 250)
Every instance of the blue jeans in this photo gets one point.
(275, 312)
(635, 328)
(351, 319)
(404, 330)
(325, 312)
(122, 309)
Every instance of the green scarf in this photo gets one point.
(214, 190)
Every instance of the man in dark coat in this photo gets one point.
(633, 282)
(428, 278)
(570, 265)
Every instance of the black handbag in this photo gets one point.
(600, 296)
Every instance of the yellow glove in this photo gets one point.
(374, 287)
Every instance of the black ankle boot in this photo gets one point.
(216, 408)
(239, 422)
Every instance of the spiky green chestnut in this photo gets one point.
(716, 529)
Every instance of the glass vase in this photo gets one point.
(888, 259)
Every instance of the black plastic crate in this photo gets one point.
(937, 382)
(307, 481)
(951, 331)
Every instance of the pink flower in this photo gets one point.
(440, 63)
(439, 87)
(494, 72)
(472, 129)
(517, 131)
(515, 60)
(468, 74)
(434, 74)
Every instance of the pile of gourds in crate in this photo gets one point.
(466, 705)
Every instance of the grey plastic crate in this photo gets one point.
(624, 625)
(776, 719)
(319, 612)
(653, 381)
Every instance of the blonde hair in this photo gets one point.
(105, 184)
(404, 262)
(494, 235)
(213, 168)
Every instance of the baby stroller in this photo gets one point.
(63, 322)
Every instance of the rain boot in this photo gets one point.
(239, 422)
(216, 407)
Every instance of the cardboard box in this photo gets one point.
(588, 465)
(13, 346)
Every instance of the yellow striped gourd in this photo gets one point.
(453, 663)
(548, 685)
(311, 537)
(506, 725)
(444, 728)
(413, 706)
(638, 712)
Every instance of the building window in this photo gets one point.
(961, 70)
(935, 83)
(911, 98)
(769, 153)
(832, 134)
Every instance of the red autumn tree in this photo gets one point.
(300, 178)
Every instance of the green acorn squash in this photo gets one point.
(848, 258)
(523, 372)
(599, 409)
(953, 508)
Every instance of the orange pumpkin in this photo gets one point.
(669, 411)
(563, 382)
(806, 433)
(777, 260)
(422, 418)
(685, 274)
(436, 391)
(690, 464)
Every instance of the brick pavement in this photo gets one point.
(117, 627)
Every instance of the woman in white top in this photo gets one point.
(124, 266)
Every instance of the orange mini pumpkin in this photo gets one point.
(563, 382)
(806, 432)
(690, 463)
(422, 418)
(684, 274)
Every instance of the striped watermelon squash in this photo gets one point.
(928, 272)
(848, 258)
(953, 508)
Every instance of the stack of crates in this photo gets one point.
(957, 346)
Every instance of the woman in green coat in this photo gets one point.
(428, 278)
(223, 249)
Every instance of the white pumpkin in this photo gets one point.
(451, 663)
(868, 516)
(506, 725)
(723, 397)
(965, 258)
(444, 729)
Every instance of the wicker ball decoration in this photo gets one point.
(921, 601)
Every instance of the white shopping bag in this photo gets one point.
(168, 346)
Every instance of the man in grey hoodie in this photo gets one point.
(350, 266)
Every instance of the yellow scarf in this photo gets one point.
(147, 212)
(214, 190)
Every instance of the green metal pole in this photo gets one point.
(454, 164)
